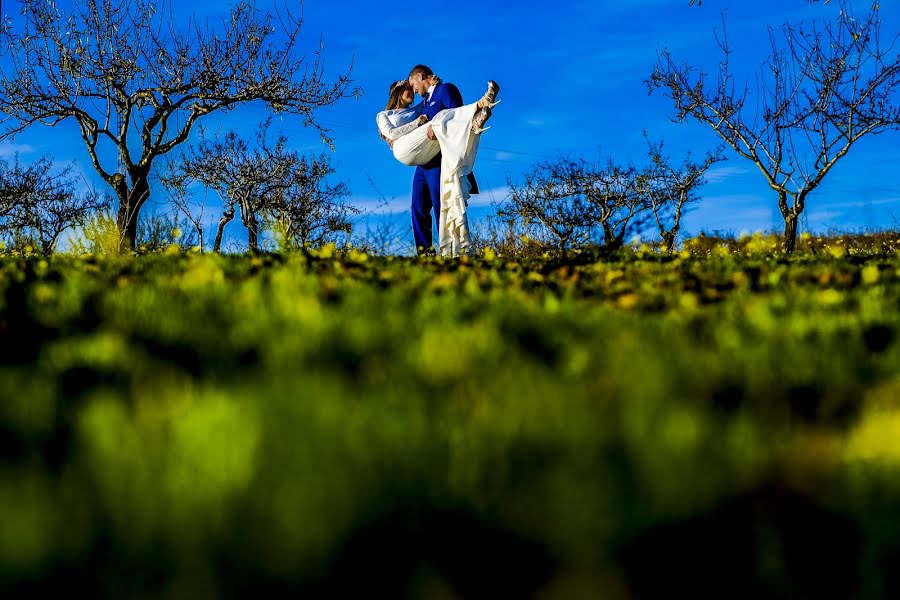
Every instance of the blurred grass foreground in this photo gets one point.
(328, 424)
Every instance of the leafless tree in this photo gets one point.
(825, 85)
(308, 210)
(549, 199)
(39, 203)
(570, 199)
(245, 176)
(186, 205)
(136, 84)
(614, 192)
(671, 189)
(269, 183)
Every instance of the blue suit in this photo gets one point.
(426, 188)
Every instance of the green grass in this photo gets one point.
(723, 423)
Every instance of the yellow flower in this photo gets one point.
(628, 301)
(871, 275)
(689, 301)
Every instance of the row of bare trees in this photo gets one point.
(136, 83)
(270, 185)
(825, 85)
(39, 202)
(570, 203)
(274, 188)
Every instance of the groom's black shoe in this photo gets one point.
(426, 251)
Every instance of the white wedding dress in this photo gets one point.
(458, 147)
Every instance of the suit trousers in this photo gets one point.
(426, 197)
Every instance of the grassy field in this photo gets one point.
(720, 423)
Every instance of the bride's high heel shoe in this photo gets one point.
(490, 96)
(480, 119)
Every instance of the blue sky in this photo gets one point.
(572, 82)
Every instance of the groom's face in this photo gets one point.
(418, 84)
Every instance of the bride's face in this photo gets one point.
(407, 96)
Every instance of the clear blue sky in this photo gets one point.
(572, 76)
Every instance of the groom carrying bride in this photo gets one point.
(426, 188)
(443, 153)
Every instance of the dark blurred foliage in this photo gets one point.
(328, 424)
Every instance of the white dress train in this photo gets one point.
(458, 146)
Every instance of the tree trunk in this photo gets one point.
(672, 234)
(790, 232)
(612, 240)
(252, 233)
(130, 203)
(608, 235)
(125, 212)
(227, 216)
(669, 240)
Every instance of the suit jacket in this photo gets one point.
(445, 95)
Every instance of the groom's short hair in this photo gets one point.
(425, 71)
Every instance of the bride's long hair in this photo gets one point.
(396, 93)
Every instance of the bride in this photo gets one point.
(458, 131)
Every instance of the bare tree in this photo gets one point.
(832, 83)
(269, 183)
(136, 85)
(246, 176)
(550, 200)
(191, 211)
(671, 189)
(39, 204)
(569, 199)
(308, 210)
(614, 193)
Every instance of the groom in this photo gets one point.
(426, 188)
